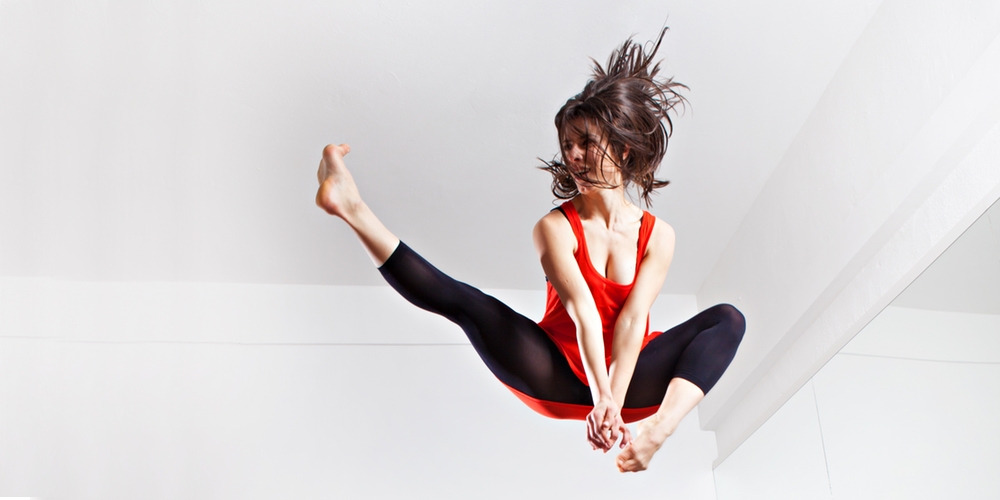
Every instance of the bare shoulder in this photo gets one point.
(553, 223)
(553, 230)
(661, 241)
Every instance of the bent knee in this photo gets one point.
(730, 316)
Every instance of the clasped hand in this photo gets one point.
(605, 426)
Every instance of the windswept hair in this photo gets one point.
(630, 106)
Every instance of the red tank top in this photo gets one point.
(608, 295)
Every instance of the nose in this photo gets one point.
(574, 153)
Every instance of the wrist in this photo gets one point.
(604, 397)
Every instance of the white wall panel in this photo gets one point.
(783, 459)
(180, 390)
(249, 313)
(899, 428)
(907, 410)
(930, 335)
(869, 193)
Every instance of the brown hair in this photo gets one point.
(630, 106)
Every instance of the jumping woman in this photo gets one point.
(592, 356)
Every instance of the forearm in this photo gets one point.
(590, 339)
(624, 354)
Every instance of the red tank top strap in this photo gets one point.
(645, 230)
(574, 222)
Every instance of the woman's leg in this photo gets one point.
(676, 369)
(514, 348)
(338, 195)
(681, 397)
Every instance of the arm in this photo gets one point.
(631, 325)
(556, 244)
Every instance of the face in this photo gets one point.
(585, 152)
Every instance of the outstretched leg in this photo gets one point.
(514, 347)
(338, 195)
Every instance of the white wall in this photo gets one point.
(906, 410)
(200, 390)
(178, 140)
(783, 459)
(896, 160)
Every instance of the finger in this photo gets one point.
(600, 440)
(626, 436)
(608, 428)
(624, 430)
(594, 435)
(595, 442)
(595, 431)
(607, 419)
(345, 149)
(617, 427)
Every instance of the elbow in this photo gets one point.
(628, 322)
(631, 327)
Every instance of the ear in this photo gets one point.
(625, 153)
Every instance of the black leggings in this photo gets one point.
(521, 354)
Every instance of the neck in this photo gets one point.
(606, 205)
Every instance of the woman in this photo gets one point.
(592, 356)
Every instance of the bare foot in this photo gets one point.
(337, 195)
(636, 457)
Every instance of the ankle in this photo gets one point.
(656, 429)
(353, 212)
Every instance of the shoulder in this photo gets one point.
(555, 220)
(554, 231)
(661, 240)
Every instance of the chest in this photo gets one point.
(613, 249)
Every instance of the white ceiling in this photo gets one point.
(178, 140)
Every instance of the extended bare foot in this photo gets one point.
(636, 457)
(337, 194)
